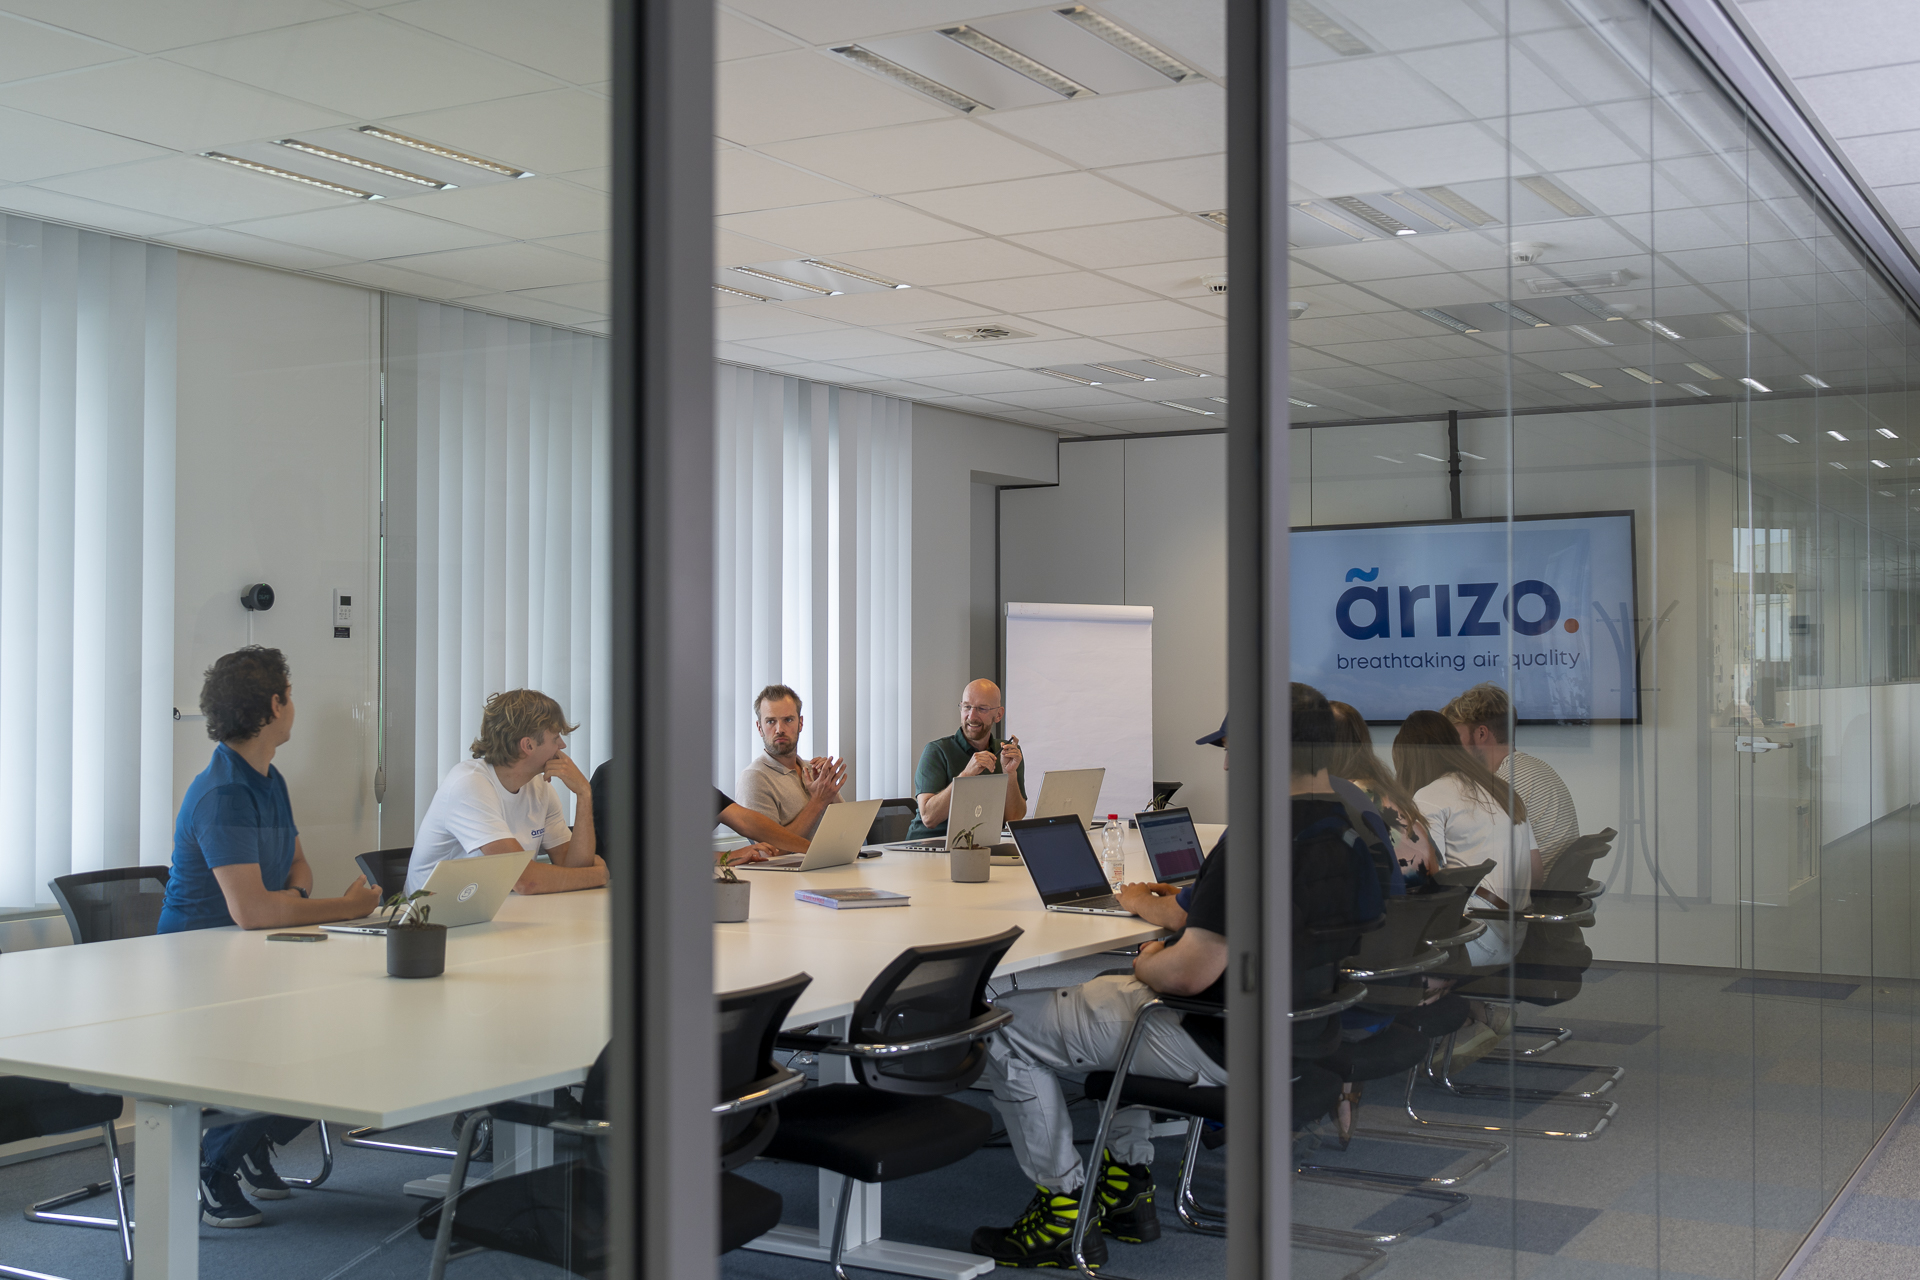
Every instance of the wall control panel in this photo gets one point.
(342, 615)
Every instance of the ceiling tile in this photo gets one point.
(1000, 380)
(920, 365)
(588, 244)
(527, 307)
(504, 267)
(815, 371)
(233, 244)
(1173, 279)
(1160, 124)
(1185, 345)
(570, 39)
(1490, 78)
(1065, 398)
(1069, 289)
(365, 230)
(598, 179)
(738, 38)
(953, 262)
(1032, 355)
(1195, 31)
(745, 181)
(816, 23)
(1873, 100)
(888, 307)
(760, 320)
(800, 95)
(38, 203)
(30, 50)
(554, 132)
(530, 209)
(35, 147)
(837, 344)
(590, 295)
(1448, 153)
(378, 275)
(1363, 95)
(1193, 184)
(1124, 244)
(731, 250)
(1035, 204)
(151, 27)
(166, 104)
(843, 226)
(195, 189)
(918, 157)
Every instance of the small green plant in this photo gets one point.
(965, 840)
(723, 870)
(407, 911)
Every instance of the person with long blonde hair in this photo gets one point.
(1355, 760)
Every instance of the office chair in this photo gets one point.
(40, 1108)
(891, 822)
(1163, 794)
(121, 902)
(386, 869)
(917, 1034)
(557, 1214)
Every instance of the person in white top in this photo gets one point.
(1473, 816)
(1483, 715)
(503, 801)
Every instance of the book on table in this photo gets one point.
(848, 899)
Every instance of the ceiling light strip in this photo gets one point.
(1014, 60)
(912, 79)
(849, 272)
(1129, 43)
(384, 170)
(1125, 373)
(1312, 211)
(742, 293)
(1457, 203)
(1326, 30)
(1367, 213)
(291, 176)
(1642, 375)
(771, 278)
(1580, 330)
(1177, 368)
(1756, 384)
(1703, 371)
(1452, 322)
(1588, 383)
(1070, 377)
(1523, 316)
(1301, 404)
(1187, 408)
(445, 153)
(1216, 216)
(1548, 190)
(1816, 383)
(1655, 327)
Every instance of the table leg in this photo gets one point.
(167, 1244)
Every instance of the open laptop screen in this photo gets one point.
(1059, 856)
(1172, 843)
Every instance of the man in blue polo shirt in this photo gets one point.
(237, 860)
(971, 751)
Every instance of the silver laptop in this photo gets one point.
(1064, 867)
(979, 805)
(836, 841)
(1074, 791)
(465, 891)
(1172, 844)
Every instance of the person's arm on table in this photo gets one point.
(253, 906)
(762, 829)
(1185, 967)
(1154, 903)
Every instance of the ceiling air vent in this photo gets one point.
(1216, 283)
(977, 333)
(1579, 284)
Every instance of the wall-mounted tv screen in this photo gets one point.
(1396, 618)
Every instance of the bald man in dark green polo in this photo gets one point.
(971, 750)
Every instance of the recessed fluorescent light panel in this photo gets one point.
(1187, 408)
(1452, 201)
(1320, 215)
(1014, 60)
(1544, 187)
(1070, 377)
(1838, 466)
(1581, 331)
(1789, 439)
(1223, 400)
(1398, 462)
(1703, 371)
(1837, 436)
(1452, 322)
(850, 273)
(1326, 30)
(1876, 462)
(1593, 306)
(742, 293)
(1367, 213)
(1578, 284)
(1429, 457)
(291, 176)
(1476, 457)
(1756, 384)
(1888, 434)
(1522, 315)
(1300, 404)
(1128, 43)
(1589, 383)
(910, 78)
(1690, 389)
(1643, 375)
(771, 278)
(1216, 216)
(1654, 326)
(1177, 368)
(341, 157)
(1812, 381)
(445, 153)
(1125, 373)
(1734, 322)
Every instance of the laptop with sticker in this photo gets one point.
(465, 891)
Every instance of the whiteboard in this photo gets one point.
(1080, 696)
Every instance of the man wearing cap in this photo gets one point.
(971, 751)
(1166, 904)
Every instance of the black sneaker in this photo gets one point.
(256, 1170)
(1125, 1201)
(1043, 1237)
(221, 1202)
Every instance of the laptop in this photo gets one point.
(835, 843)
(1173, 846)
(1074, 791)
(978, 804)
(1064, 867)
(465, 891)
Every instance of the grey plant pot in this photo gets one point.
(730, 901)
(417, 951)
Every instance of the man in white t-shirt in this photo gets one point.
(1482, 715)
(503, 801)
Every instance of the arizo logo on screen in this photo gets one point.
(1474, 597)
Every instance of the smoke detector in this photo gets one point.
(1524, 253)
(1295, 309)
(1215, 283)
(977, 333)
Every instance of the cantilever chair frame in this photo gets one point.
(117, 1182)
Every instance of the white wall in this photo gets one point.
(952, 452)
(277, 482)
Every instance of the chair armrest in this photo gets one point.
(1345, 997)
(1187, 1004)
(980, 1026)
(769, 1089)
(531, 1113)
(1473, 930)
(1432, 958)
(584, 1128)
(804, 1043)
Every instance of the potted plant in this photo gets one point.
(415, 948)
(969, 862)
(730, 893)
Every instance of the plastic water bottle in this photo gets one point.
(1113, 855)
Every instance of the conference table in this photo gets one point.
(227, 1019)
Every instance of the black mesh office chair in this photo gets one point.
(891, 822)
(386, 869)
(121, 902)
(40, 1108)
(557, 1214)
(918, 1033)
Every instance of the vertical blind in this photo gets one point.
(813, 516)
(86, 553)
(497, 570)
